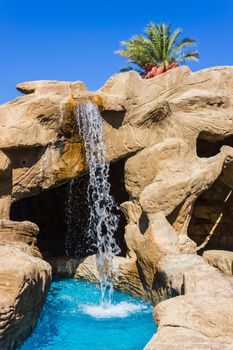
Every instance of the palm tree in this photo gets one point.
(159, 47)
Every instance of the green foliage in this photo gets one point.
(159, 46)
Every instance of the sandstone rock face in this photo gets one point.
(25, 232)
(201, 316)
(38, 139)
(221, 259)
(175, 133)
(24, 281)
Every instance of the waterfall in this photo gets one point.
(77, 241)
(103, 221)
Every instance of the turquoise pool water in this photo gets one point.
(72, 319)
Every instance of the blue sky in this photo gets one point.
(75, 40)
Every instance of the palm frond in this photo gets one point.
(126, 69)
(137, 50)
(153, 36)
(184, 43)
(168, 36)
(130, 68)
(173, 38)
(188, 56)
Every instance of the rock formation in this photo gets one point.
(24, 281)
(174, 133)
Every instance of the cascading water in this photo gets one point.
(103, 221)
(72, 317)
(77, 241)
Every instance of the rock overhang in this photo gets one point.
(158, 124)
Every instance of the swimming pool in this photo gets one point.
(73, 319)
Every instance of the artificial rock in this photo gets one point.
(175, 135)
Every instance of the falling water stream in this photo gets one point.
(72, 317)
(103, 221)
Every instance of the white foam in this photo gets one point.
(122, 309)
(66, 297)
